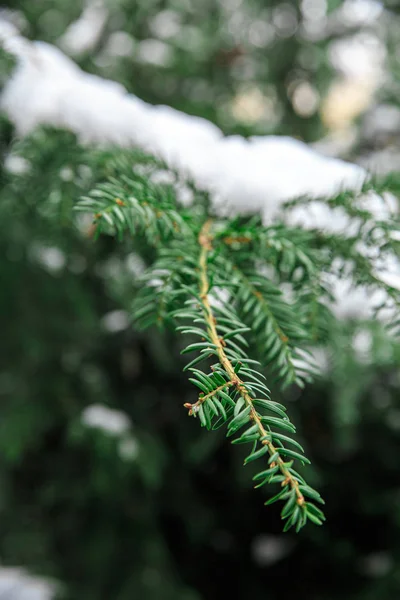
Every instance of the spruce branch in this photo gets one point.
(132, 203)
(194, 408)
(223, 278)
(296, 510)
(263, 306)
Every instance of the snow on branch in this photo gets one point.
(243, 176)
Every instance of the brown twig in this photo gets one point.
(205, 241)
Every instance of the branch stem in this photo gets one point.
(193, 408)
(205, 241)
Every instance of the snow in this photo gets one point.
(115, 321)
(242, 176)
(17, 584)
(49, 257)
(270, 549)
(109, 420)
(84, 33)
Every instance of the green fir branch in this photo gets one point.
(224, 279)
(234, 392)
(135, 205)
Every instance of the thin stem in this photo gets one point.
(205, 241)
(194, 408)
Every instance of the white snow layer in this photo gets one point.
(84, 33)
(109, 420)
(17, 584)
(242, 176)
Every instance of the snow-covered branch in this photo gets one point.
(243, 176)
